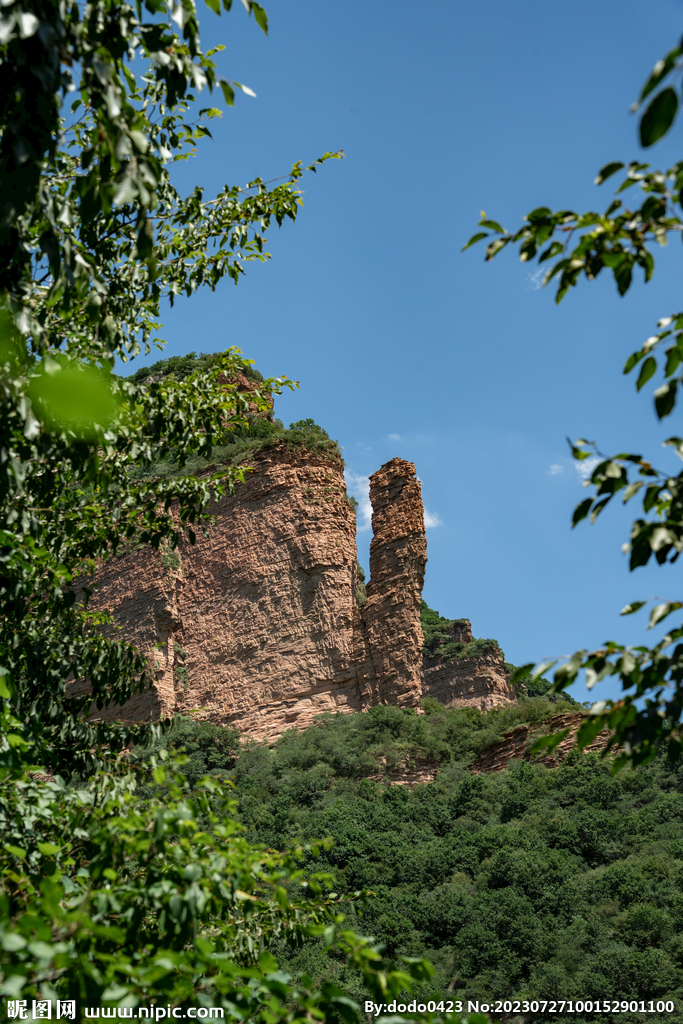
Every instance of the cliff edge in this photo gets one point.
(257, 624)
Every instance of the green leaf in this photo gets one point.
(661, 611)
(13, 358)
(566, 673)
(260, 16)
(49, 849)
(624, 273)
(587, 732)
(523, 672)
(633, 360)
(647, 370)
(267, 962)
(673, 361)
(214, 5)
(612, 259)
(627, 663)
(495, 247)
(493, 225)
(540, 213)
(659, 71)
(15, 851)
(12, 942)
(74, 397)
(665, 399)
(549, 742)
(228, 93)
(554, 249)
(541, 669)
(658, 117)
(125, 191)
(581, 511)
(630, 609)
(145, 239)
(475, 238)
(632, 490)
(607, 171)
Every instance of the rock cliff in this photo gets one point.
(460, 671)
(258, 625)
(398, 555)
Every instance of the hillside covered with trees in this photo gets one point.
(528, 883)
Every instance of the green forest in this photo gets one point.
(528, 883)
(175, 863)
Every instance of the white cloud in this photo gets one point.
(555, 469)
(394, 437)
(586, 467)
(431, 520)
(536, 279)
(359, 487)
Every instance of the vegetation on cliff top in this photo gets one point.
(255, 433)
(247, 439)
(180, 367)
(439, 642)
(527, 883)
(439, 638)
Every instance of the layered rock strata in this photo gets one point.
(410, 772)
(398, 555)
(516, 743)
(474, 676)
(257, 623)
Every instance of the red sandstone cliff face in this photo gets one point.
(257, 624)
(477, 679)
(398, 555)
(268, 600)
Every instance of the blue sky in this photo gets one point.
(404, 346)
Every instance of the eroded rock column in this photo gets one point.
(398, 555)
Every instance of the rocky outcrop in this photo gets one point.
(257, 624)
(398, 555)
(516, 743)
(471, 674)
(410, 772)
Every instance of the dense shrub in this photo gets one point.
(530, 882)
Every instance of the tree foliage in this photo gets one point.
(109, 896)
(94, 238)
(620, 240)
(527, 883)
(113, 899)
